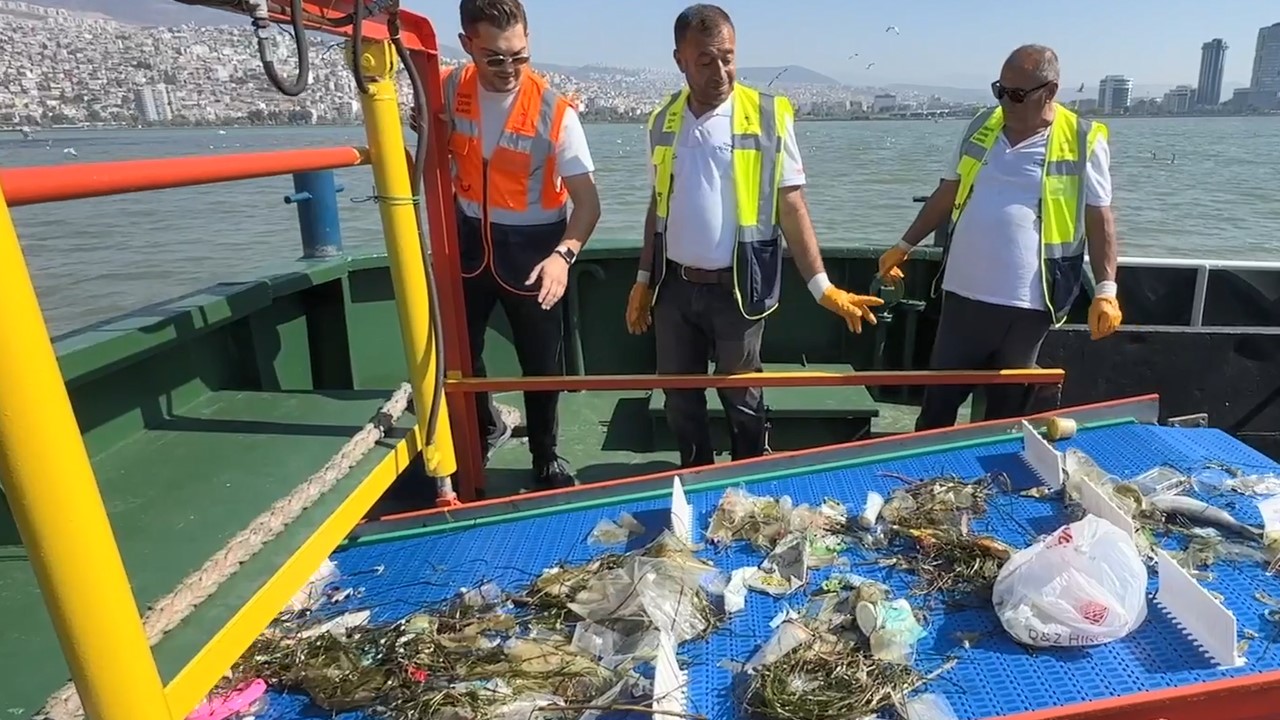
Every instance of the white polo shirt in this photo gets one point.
(702, 217)
(995, 248)
(573, 156)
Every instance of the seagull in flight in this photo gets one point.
(894, 29)
(1081, 88)
(870, 65)
(853, 56)
(775, 77)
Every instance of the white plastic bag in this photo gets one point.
(1083, 585)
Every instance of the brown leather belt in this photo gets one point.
(698, 276)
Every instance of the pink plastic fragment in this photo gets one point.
(231, 704)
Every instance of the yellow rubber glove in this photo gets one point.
(890, 260)
(1104, 317)
(853, 308)
(638, 304)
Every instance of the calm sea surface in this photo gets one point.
(95, 258)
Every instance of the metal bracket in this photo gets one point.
(1198, 420)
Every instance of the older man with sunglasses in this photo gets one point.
(519, 155)
(1028, 188)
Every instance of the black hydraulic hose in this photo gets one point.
(260, 25)
(357, 46)
(415, 180)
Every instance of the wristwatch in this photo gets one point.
(568, 255)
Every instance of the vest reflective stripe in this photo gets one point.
(757, 173)
(521, 172)
(1062, 205)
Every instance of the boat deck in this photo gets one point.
(176, 494)
(992, 679)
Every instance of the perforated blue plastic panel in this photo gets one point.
(994, 678)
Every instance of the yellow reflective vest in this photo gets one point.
(757, 172)
(1062, 200)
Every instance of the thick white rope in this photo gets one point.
(167, 612)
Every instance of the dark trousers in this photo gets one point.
(695, 323)
(538, 338)
(975, 335)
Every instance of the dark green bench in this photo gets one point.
(801, 417)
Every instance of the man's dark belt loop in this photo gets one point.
(698, 276)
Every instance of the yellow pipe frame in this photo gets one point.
(59, 512)
(400, 216)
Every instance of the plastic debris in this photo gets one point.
(610, 532)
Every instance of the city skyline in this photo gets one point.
(95, 70)
(937, 34)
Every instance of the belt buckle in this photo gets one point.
(684, 274)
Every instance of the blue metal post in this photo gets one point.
(316, 196)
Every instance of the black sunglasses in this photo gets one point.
(1015, 95)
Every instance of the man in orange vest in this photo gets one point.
(519, 155)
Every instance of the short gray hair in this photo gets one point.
(1039, 59)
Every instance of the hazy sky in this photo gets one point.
(943, 42)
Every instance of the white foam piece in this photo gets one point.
(670, 686)
(681, 512)
(1198, 614)
(1043, 459)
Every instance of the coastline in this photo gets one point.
(587, 120)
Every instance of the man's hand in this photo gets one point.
(554, 276)
(891, 259)
(1104, 317)
(639, 302)
(853, 308)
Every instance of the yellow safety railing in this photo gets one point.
(50, 483)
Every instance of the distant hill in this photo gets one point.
(791, 74)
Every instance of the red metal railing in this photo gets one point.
(54, 183)
(869, 378)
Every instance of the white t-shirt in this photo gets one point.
(573, 156)
(995, 247)
(702, 218)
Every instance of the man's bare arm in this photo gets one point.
(1100, 229)
(935, 211)
(586, 210)
(797, 228)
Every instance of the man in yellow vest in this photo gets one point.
(727, 186)
(1028, 188)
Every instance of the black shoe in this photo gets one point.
(495, 442)
(554, 474)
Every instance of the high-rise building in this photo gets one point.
(1115, 93)
(1213, 57)
(1179, 99)
(1266, 61)
(152, 103)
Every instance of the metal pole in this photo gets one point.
(399, 211)
(59, 512)
(315, 194)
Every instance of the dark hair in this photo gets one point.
(501, 14)
(704, 19)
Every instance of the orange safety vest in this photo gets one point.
(520, 175)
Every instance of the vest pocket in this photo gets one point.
(509, 179)
(1064, 276)
(759, 275)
